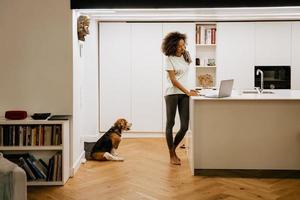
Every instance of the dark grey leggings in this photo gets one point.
(172, 102)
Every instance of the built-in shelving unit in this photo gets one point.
(40, 147)
(205, 54)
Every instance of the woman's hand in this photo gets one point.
(192, 93)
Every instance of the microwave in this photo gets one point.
(275, 77)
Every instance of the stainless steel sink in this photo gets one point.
(256, 92)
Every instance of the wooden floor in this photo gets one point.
(147, 174)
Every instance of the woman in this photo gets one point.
(177, 93)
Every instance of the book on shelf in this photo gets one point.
(29, 173)
(30, 135)
(54, 168)
(205, 34)
(37, 169)
(198, 34)
(34, 169)
(1, 136)
(43, 164)
(39, 166)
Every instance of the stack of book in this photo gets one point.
(33, 135)
(38, 170)
(205, 34)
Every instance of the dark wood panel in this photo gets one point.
(248, 173)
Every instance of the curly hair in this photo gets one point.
(170, 43)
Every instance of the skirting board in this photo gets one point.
(248, 173)
(77, 163)
(94, 138)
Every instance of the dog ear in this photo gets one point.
(120, 123)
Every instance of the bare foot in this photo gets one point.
(174, 153)
(176, 156)
(174, 161)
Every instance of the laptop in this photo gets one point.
(224, 90)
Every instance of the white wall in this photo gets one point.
(90, 114)
(295, 58)
(76, 146)
(85, 89)
(36, 56)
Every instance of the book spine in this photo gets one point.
(50, 169)
(54, 177)
(1, 135)
(21, 137)
(5, 136)
(208, 36)
(24, 165)
(202, 34)
(13, 137)
(198, 33)
(41, 133)
(213, 35)
(43, 163)
(17, 136)
(33, 168)
(59, 168)
(37, 167)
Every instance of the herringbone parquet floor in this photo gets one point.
(147, 174)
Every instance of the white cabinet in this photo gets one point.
(132, 77)
(273, 43)
(189, 30)
(115, 73)
(295, 58)
(146, 82)
(235, 53)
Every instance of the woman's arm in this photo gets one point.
(178, 85)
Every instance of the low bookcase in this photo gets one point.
(40, 147)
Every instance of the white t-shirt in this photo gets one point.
(181, 68)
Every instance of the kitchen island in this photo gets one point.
(245, 134)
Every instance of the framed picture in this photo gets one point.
(211, 62)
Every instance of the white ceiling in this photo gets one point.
(195, 14)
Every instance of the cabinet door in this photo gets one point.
(235, 53)
(295, 67)
(115, 73)
(273, 43)
(146, 80)
(189, 30)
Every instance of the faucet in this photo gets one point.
(260, 90)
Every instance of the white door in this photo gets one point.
(295, 66)
(189, 30)
(115, 73)
(147, 93)
(272, 43)
(235, 53)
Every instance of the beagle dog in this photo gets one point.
(105, 148)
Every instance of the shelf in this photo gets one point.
(206, 45)
(30, 148)
(4, 121)
(43, 183)
(205, 66)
